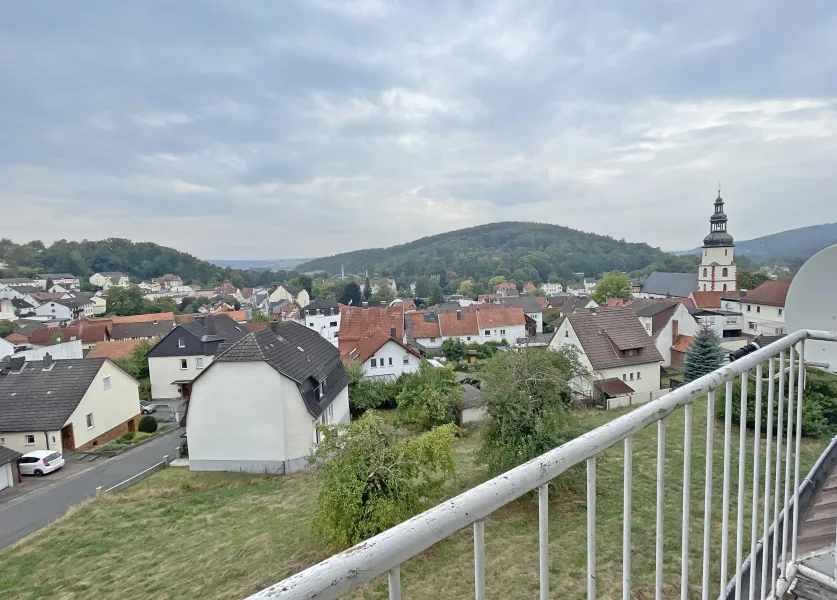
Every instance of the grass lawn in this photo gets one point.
(212, 535)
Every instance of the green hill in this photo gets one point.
(519, 250)
(792, 247)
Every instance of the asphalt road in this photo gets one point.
(28, 514)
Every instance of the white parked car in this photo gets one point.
(40, 462)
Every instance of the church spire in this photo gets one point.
(718, 235)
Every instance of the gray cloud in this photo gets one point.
(305, 128)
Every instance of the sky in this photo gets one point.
(259, 130)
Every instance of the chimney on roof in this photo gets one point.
(458, 315)
(200, 319)
(47, 360)
(383, 304)
(592, 310)
(365, 304)
(392, 332)
(675, 331)
(210, 326)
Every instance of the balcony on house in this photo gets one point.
(756, 525)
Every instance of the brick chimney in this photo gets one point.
(47, 360)
(459, 315)
(675, 331)
(392, 332)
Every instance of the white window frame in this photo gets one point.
(406, 359)
(106, 382)
(639, 374)
(88, 419)
(502, 332)
(184, 364)
(390, 361)
(28, 437)
(199, 362)
(181, 342)
(374, 362)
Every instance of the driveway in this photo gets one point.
(28, 513)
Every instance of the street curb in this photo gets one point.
(110, 455)
(27, 495)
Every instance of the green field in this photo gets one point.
(211, 535)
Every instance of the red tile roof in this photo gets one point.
(683, 344)
(356, 321)
(509, 285)
(179, 319)
(769, 293)
(149, 318)
(225, 288)
(251, 327)
(708, 300)
(500, 317)
(423, 328)
(366, 347)
(239, 316)
(617, 302)
(529, 288)
(465, 325)
(542, 301)
(16, 338)
(114, 350)
(87, 332)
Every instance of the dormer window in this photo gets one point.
(631, 352)
(181, 342)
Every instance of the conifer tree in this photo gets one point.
(704, 356)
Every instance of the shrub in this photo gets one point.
(430, 396)
(819, 403)
(453, 349)
(184, 449)
(147, 424)
(528, 398)
(141, 436)
(373, 477)
(126, 438)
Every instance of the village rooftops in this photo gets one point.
(769, 293)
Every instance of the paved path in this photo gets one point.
(29, 513)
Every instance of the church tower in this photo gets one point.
(717, 271)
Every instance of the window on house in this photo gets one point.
(751, 325)
(704, 272)
(432, 340)
(648, 326)
(725, 287)
(310, 324)
(30, 440)
(749, 307)
(502, 332)
(406, 359)
(758, 309)
(488, 332)
(638, 375)
(780, 312)
(199, 363)
(181, 342)
(468, 338)
(725, 252)
(183, 364)
(106, 382)
(330, 411)
(89, 418)
(567, 334)
(624, 377)
(53, 438)
(390, 361)
(724, 272)
(333, 324)
(374, 362)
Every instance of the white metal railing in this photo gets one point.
(387, 551)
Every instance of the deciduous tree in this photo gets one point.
(612, 285)
(430, 396)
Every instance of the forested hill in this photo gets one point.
(139, 260)
(792, 247)
(535, 250)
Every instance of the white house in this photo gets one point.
(552, 288)
(73, 404)
(7, 310)
(17, 282)
(377, 283)
(323, 316)
(100, 305)
(66, 309)
(382, 354)
(589, 284)
(65, 280)
(257, 406)
(184, 352)
(664, 321)
(6, 348)
(615, 348)
(291, 294)
(472, 325)
(762, 309)
(110, 279)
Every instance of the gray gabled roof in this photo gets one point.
(214, 328)
(609, 331)
(670, 284)
(7, 455)
(529, 304)
(298, 353)
(327, 305)
(149, 329)
(38, 400)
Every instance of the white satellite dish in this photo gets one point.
(812, 304)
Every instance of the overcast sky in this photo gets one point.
(280, 129)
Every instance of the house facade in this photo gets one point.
(110, 279)
(288, 379)
(382, 354)
(184, 352)
(73, 404)
(291, 294)
(322, 316)
(664, 321)
(65, 280)
(762, 309)
(552, 288)
(614, 347)
(473, 325)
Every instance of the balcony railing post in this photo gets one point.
(771, 372)
(799, 391)
(661, 471)
(591, 528)
(742, 469)
(395, 583)
(788, 452)
(774, 572)
(627, 494)
(707, 493)
(687, 493)
(725, 497)
(754, 525)
(479, 560)
(543, 539)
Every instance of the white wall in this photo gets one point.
(432, 342)
(712, 279)
(686, 325)
(6, 348)
(326, 325)
(236, 419)
(767, 320)
(646, 377)
(509, 332)
(44, 440)
(7, 310)
(162, 370)
(538, 318)
(54, 311)
(7, 476)
(552, 288)
(110, 407)
(391, 351)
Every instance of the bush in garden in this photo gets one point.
(147, 424)
(430, 396)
